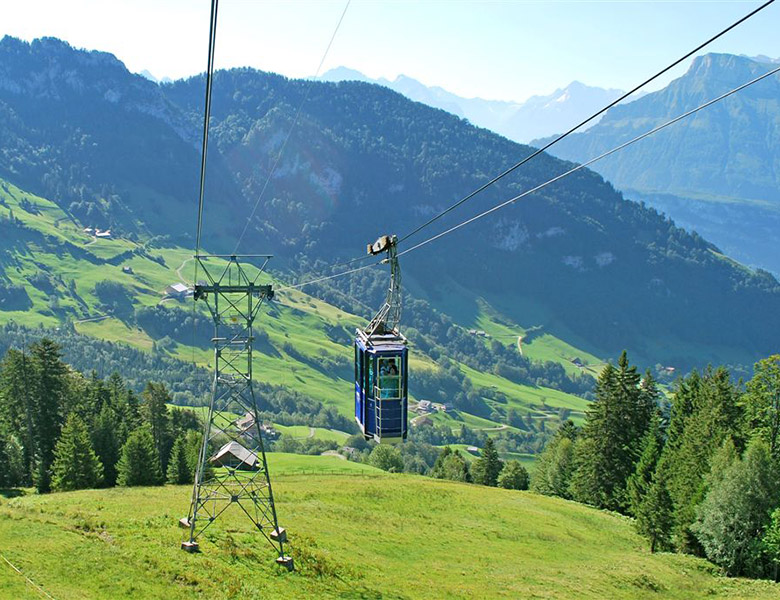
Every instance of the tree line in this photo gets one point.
(421, 458)
(700, 475)
(188, 385)
(62, 430)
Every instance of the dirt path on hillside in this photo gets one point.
(499, 428)
(92, 319)
(333, 453)
(178, 271)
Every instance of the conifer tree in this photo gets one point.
(155, 412)
(555, 466)
(654, 514)
(16, 407)
(6, 478)
(487, 467)
(48, 390)
(76, 466)
(642, 479)
(126, 406)
(105, 441)
(609, 445)
(179, 471)
(714, 415)
(514, 476)
(139, 463)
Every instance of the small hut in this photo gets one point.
(234, 456)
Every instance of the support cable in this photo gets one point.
(289, 131)
(206, 117)
(564, 135)
(549, 182)
(38, 588)
(298, 286)
(590, 118)
(591, 161)
(553, 142)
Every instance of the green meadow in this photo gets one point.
(58, 265)
(355, 532)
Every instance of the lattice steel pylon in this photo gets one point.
(232, 468)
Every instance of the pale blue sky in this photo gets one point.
(499, 50)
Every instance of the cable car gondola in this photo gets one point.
(381, 361)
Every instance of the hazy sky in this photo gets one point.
(499, 50)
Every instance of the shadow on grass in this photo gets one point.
(11, 492)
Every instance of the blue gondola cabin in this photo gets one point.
(381, 381)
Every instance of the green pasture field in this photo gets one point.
(357, 534)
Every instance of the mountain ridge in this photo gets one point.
(719, 160)
(363, 161)
(518, 121)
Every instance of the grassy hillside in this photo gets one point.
(362, 534)
(54, 268)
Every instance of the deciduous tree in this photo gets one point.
(733, 516)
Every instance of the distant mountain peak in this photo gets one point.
(763, 59)
(538, 116)
(148, 75)
(715, 173)
(343, 74)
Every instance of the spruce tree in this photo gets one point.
(514, 476)
(6, 476)
(17, 408)
(642, 479)
(139, 463)
(105, 441)
(76, 466)
(654, 515)
(555, 466)
(155, 412)
(179, 471)
(610, 443)
(714, 415)
(487, 467)
(48, 391)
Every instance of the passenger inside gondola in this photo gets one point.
(389, 378)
